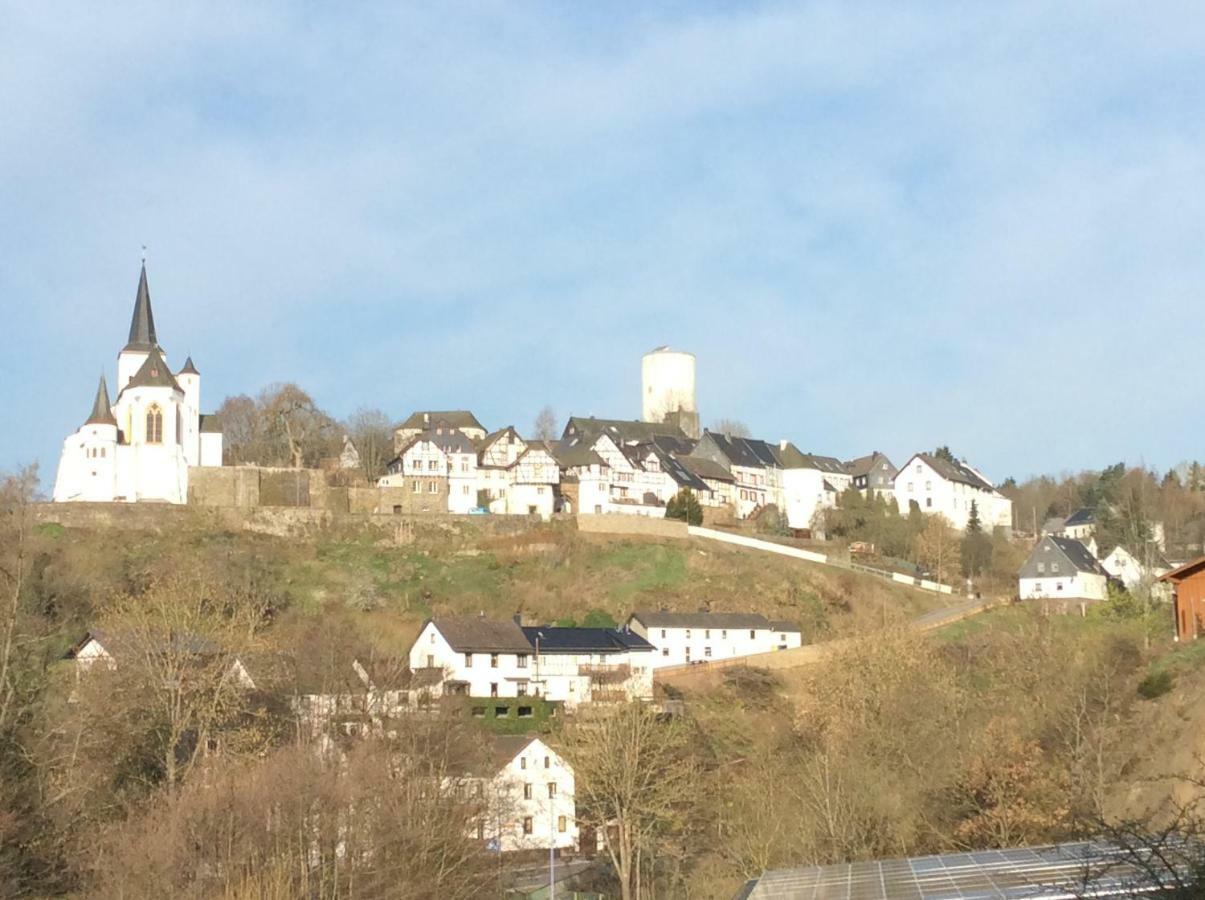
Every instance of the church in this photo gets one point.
(140, 447)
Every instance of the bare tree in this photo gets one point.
(636, 781)
(372, 433)
(545, 425)
(292, 418)
(242, 435)
(15, 494)
(937, 548)
(730, 427)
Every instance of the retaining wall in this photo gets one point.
(618, 523)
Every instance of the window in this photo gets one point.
(1058, 586)
(928, 501)
(464, 489)
(432, 487)
(1054, 567)
(524, 712)
(522, 660)
(707, 651)
(724, 634)
(547, 762)
(707, 633)
(522, 762)
(1041, 568)
(432, 465)
(154, 425)
(430, 661)
(663, 632)
(752, 634)
(551, 790)
(468, 659)
(909, 485)
(688, 633)
(417, 486)
(527, 791)
(665, 651)
(527, 824)
(493, 660)
(561, 824)
(478, 712)
(928, 485)
(521, 689)
(501, 712)
(179, 427)
(493, 689)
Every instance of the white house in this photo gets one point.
(484, 658)
(107, 648)
(810, 483)
(531, 797)
(939, 486)
(1079, 526)
(680, 638)
(1061, 568)
(435, 463)
(720, 482)
(873, 475)
(585, 478)
(438, 420)
(141, 447)
(757, 476)
(1136, 573)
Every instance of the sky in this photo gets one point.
(878, 225)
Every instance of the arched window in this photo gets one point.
(154, 425)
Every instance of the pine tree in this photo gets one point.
(685, 505)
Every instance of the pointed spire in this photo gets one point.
(102, 411)
(189, 368)
(142, 325)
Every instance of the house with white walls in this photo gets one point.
(719, 481)
(938, 485)
(1061, 568)
(437, 464)
(682, 638)
(585, 478)
(140, 446)
(106, 649)
(756, 474)
(438, 421)
(1139, 570)
(486, 658)
(529, 795)
(1079, 526)
(534, 479)
(810, 483)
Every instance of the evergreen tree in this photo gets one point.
(976, 546)
(685, 505)
(944, 452)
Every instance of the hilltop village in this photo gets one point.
(503, 686)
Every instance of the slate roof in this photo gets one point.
(659, 619)
(448, 442)
(153, 373)
(505, 747)
(211, 423)
(622, 431)
(791, 457)
(102, 410)
(745, 452)
(864, 465)
(784, 626)
(467, 634)
(142, 323)
(584, 640)
(1082, 516)
(1078, 556)
(681, 475)
(574, 454)
(706, 468)
(456, 418)
(188, 368)
(955, 471)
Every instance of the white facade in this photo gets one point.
(1135, 574)
(680, 639)
(140, 447)
(1067, 586)
(533, 803)
(668, 385)
(919, 481)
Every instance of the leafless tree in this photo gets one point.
(372, 433)
(545, 425)
(730, 427)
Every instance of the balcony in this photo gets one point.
(606, 674)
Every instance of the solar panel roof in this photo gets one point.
(1086, 868)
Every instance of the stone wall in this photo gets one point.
(617, 523)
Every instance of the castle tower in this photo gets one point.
(189, 380)
(88, 467)
(142, 335)
(668, 389)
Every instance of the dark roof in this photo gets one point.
(783, 625)
(738, 451)
(153, 373)
(574, 454)
(211, 423)
(479, 634)
(661, 619)
(584, 640)
(142, 324)
(791, 457)
(1082, 516)
(448, 442)
(505, 747)
(864, 464)
(456, 418)
(955, 471)
(116, 643)
(705, 468)
(1076, 554)
(188, 368)
(621, 431)
(681, 475)
(102, 410)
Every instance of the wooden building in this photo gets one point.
(1188, 598)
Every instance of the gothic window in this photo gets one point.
(154, 425)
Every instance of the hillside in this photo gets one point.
(547, 573)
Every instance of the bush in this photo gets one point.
(685, 505)
(1156, 684)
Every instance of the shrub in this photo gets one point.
(685, 505)
(1156, 684)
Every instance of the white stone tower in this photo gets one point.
(668, 389)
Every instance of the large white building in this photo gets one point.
(681, 638)
(530, 793)
(938, 485)
(1062, 568)
(485, 658)
(140, 446)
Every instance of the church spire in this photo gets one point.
(142, 325)
(102, 412)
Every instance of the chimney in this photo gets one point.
(426, 419)
(782, 445)
(518, 618)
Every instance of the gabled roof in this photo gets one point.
(1074, 553)
(142, 323)
(469, 634)
(211, 423)
(153, 373)
(574, 454)
(661, 619)
(503, 748)
(785, 626)
(456, 418)
(1188, 569)
(863, 465)
(953, 471)
(102, 410)
(448, 442)
(745, 452)
(621, 431)
(790, 457)
(188, 368)
(705, 468)
(486, 442)
(584, 640)
(1082, 516)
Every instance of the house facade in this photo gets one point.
(873, 475)
(1188, 598)
(1136, 573)
(141, 446)
(810, 483)
(531, 792)
(1061, 568)
(938, 485)
(682, 638)
(438, 421)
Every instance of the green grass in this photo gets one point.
(641, 568)
(52, 530)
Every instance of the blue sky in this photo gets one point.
(878, 225)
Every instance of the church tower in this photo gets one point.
(142, 335)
